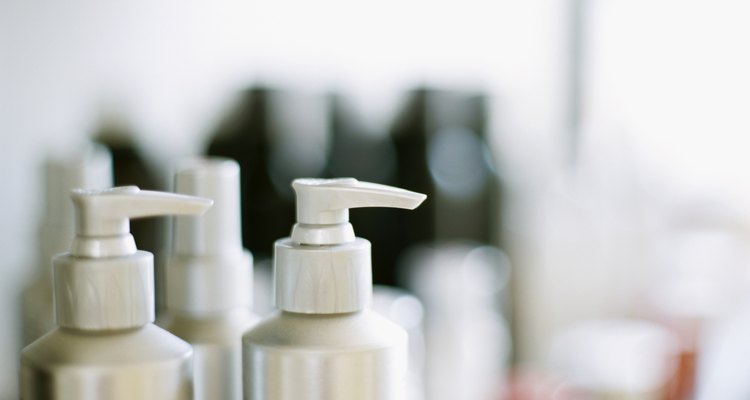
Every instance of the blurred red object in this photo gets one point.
(532, 385)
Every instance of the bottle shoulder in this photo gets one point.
(364, 329)
(149, 344)
(220, 328)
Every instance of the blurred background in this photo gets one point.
(587, 230)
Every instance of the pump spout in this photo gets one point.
(103, 216)
(323, 207)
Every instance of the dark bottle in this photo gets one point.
(275, 136)
(360, 152)
(441, 148)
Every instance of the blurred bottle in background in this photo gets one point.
(467, 338)
(615, 359)
(402, 308)
(210, 278)
(450, 260)
(363, 153)
(441, 150)
(700, 285)
(87, 168)
(275, 135)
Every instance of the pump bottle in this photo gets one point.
(106, 346)
(325, 342)
(91, 168)
(209, 278)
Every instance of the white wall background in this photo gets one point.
(665, 120)
(170, 67)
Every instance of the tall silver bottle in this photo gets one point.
(325, 342)
(209, 278)
(105, 346)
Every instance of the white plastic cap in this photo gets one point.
(105, 283)
(209, 270)
(322, 268)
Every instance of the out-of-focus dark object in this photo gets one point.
(441, 150)
(358, 152)
(276, 136)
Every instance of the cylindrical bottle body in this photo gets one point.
(354, 356)
(145, 364)
(217, 347)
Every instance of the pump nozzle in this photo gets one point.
(323, 268)
(102, 217)
(323, 207)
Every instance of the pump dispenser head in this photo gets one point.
(103, 217)
(105, 282)
(323, 268)
(323, 207)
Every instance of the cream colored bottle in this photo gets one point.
(325, 342)
(88, 169)
(209, 278)
(106, 346)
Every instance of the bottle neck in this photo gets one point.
(103, 246)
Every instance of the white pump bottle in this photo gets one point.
(209, 278)
(325, 342)
(106, 346)
(87, 169)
